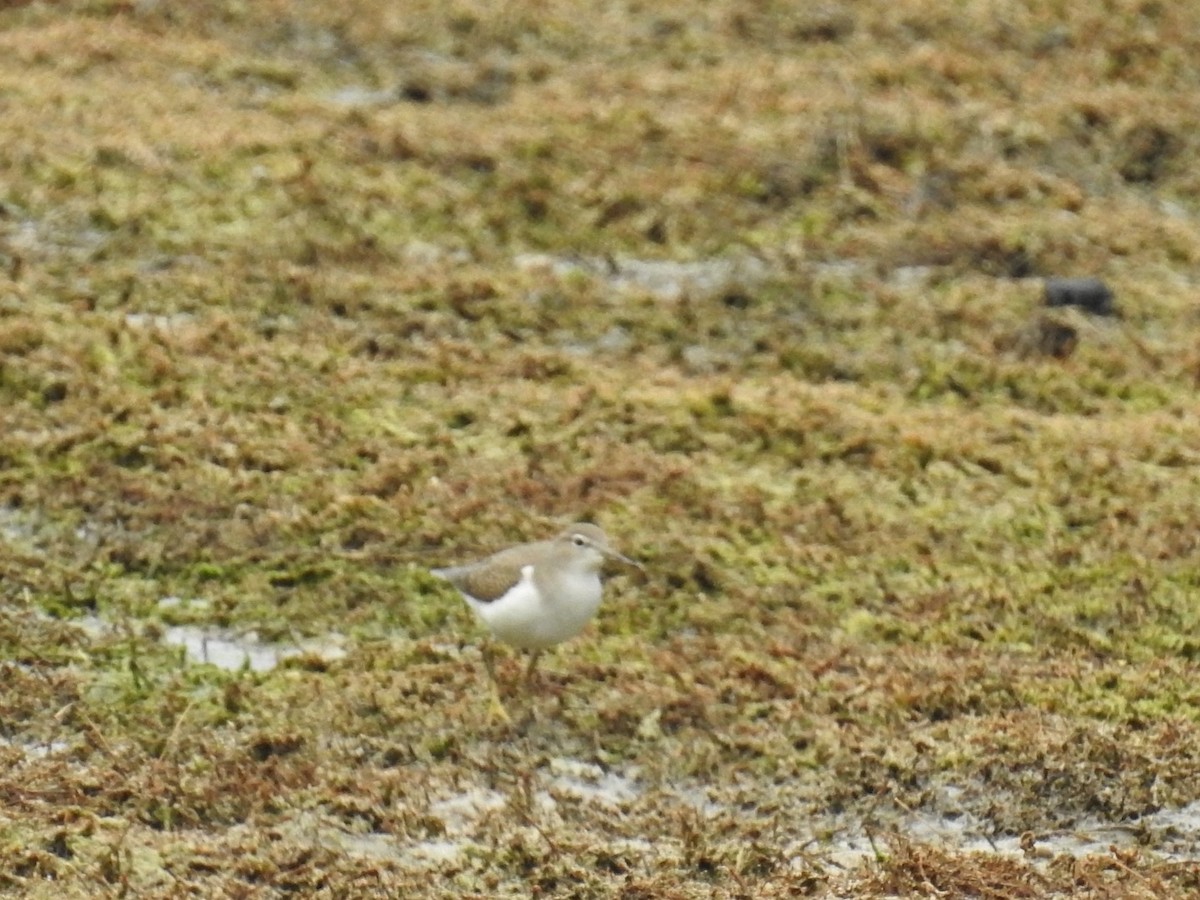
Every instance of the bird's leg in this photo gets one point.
(497, 708)
(530, 716)
(533, 661)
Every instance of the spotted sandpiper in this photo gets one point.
(534, 596)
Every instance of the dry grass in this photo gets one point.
(274, 338)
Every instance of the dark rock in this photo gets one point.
(1089, 294)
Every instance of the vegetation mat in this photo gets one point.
(299, 300)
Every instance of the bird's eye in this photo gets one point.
(578, 540)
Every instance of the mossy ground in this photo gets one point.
(299, 299)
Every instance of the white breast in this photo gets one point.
(525, 618)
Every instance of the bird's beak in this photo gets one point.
(620, 557)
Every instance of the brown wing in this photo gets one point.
(489, 579)
(483, 581)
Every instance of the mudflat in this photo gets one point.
(300, 300)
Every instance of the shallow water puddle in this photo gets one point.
(463, 814)
(1178, 839)
(566, 780)
(35, 749)
(227, 650)
(145, 321)
(460, 812)
(662, 278)
(589, 783)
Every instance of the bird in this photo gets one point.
(534, 596)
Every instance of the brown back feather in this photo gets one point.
(490, 578)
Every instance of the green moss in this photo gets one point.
(274, 355)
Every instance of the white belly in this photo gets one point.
(526, 619)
